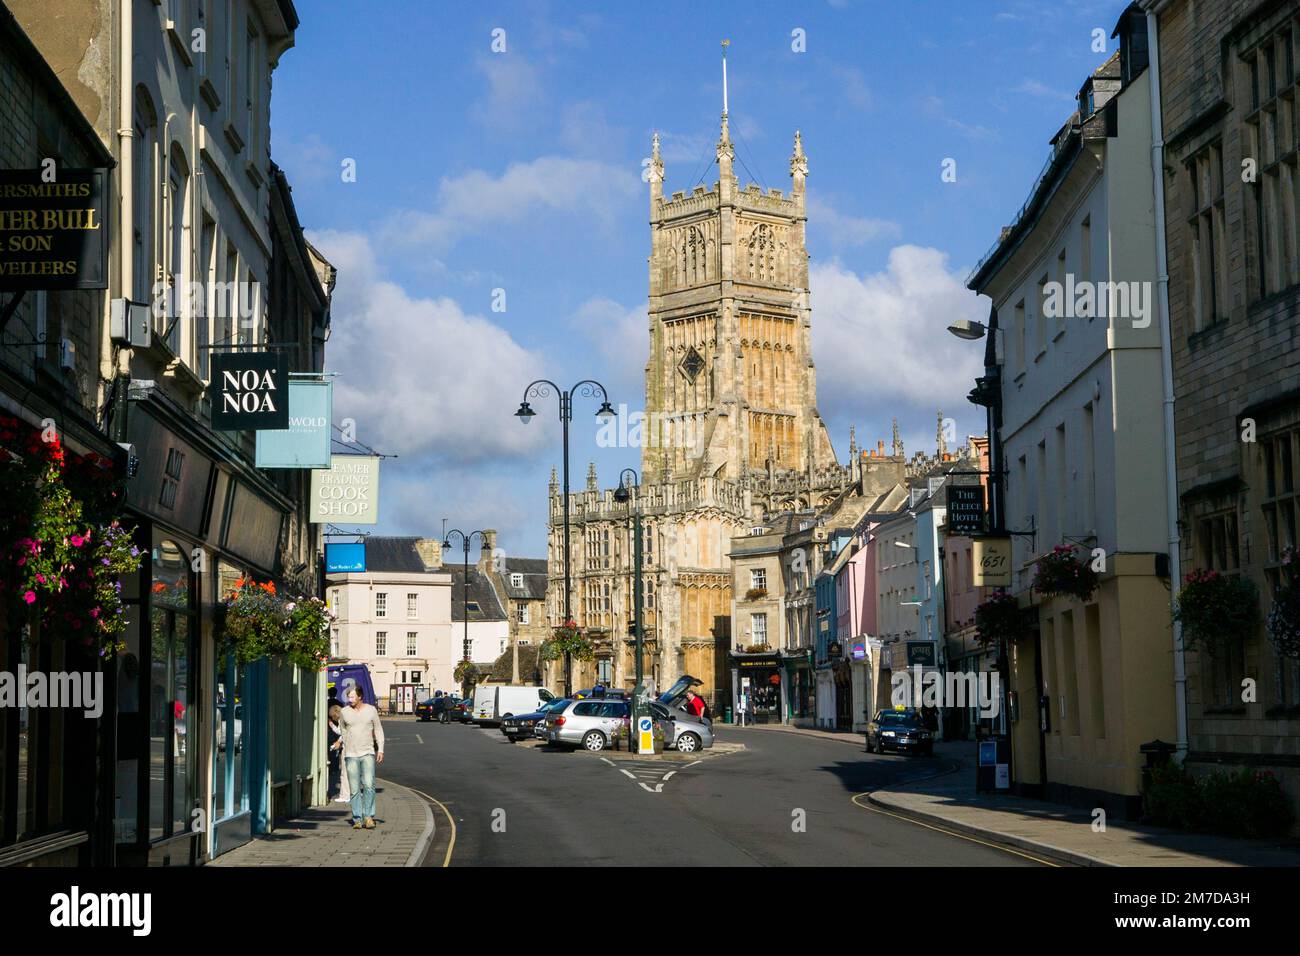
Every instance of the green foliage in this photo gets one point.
(1237, 803)
(1216, 610)
(466, 673)
(259, 623)
(568, 639)
(1063, 573)
(998, 618)
(63, 551)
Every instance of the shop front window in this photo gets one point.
(229, 792)
(171, 789)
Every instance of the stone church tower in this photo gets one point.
(731, 435)
(730, 384)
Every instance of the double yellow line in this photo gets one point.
(857, 799)
(451, 845)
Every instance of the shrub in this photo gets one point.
(1238, 803)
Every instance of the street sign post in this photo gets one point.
(645, 743)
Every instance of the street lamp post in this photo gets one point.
(465, 539)
(586, 389)
(627, 481)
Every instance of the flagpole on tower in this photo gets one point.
(725, 44)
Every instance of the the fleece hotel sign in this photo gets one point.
(52, 230)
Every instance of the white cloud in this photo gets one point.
(846, 230)
(478, 201)
(623, 335)
(421, 376)
(881, 339)
(852, 87)
(514, 92)
(1037, 88)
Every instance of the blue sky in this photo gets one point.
(521, 171)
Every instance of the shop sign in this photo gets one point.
(347, 491)
(859, 652)
(757, 663)
(835, 650)
(965, 509)
(306, 442)
(345, 557)
(920, 652)
(249, 390)
(53, 235)
(991, 562)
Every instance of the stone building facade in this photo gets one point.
(1230, 108)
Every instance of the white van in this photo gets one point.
(505, 700)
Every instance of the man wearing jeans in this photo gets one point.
(363, 746)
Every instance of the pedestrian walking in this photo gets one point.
(363, 748)
(335, 750)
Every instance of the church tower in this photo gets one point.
(730, 383)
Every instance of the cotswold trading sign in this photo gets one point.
(306, 442)
(965, 509)
(347, 492)
(249, 390)
(53, 234)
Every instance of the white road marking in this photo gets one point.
(420, 739)
(669, 774)
(690, 765)
(630, 775)
(608, 761)
(659, 788)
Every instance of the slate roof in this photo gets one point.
(481, 592)
(393, 555)
(534, 571)
(528, 670)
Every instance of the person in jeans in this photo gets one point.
(363, 748)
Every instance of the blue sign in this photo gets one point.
(345, 557)
(306, 442)
(859, 651)
(644, 724)
(988, 753)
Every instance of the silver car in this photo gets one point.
(683, 731)
(593, 723)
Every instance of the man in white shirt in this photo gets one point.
(362, 742)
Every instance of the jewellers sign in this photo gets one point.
(347, 492)
(53, 235)
(249, 390)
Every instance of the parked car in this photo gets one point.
(521, 726)
(593, 723)
(900, 731)
(239, 730)
(462, 713)
(436, 708)
(683, 732)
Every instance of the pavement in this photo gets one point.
(1060, 833)
(323, 836)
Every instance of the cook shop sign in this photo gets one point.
(249, 390)
(347, 491)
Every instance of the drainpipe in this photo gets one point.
(1167, 373)
(126, 181)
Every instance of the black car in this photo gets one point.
(436, 708)
(520, 726)
(900, 731)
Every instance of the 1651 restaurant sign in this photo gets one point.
(249, 390)
(52, 234)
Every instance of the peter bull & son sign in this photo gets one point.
(249, 390)
(52, 234)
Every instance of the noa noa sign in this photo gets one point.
(249, 391)
(347, 492)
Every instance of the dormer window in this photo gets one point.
(516, 580)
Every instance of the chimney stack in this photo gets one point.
(430, 552)
(489, 546)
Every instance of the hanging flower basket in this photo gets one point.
(257, 622)
(999, 618)
(568, 639)
(466, 673)
(1216, 610)
(1284, 617)
(1062, 572)
(63, 550)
